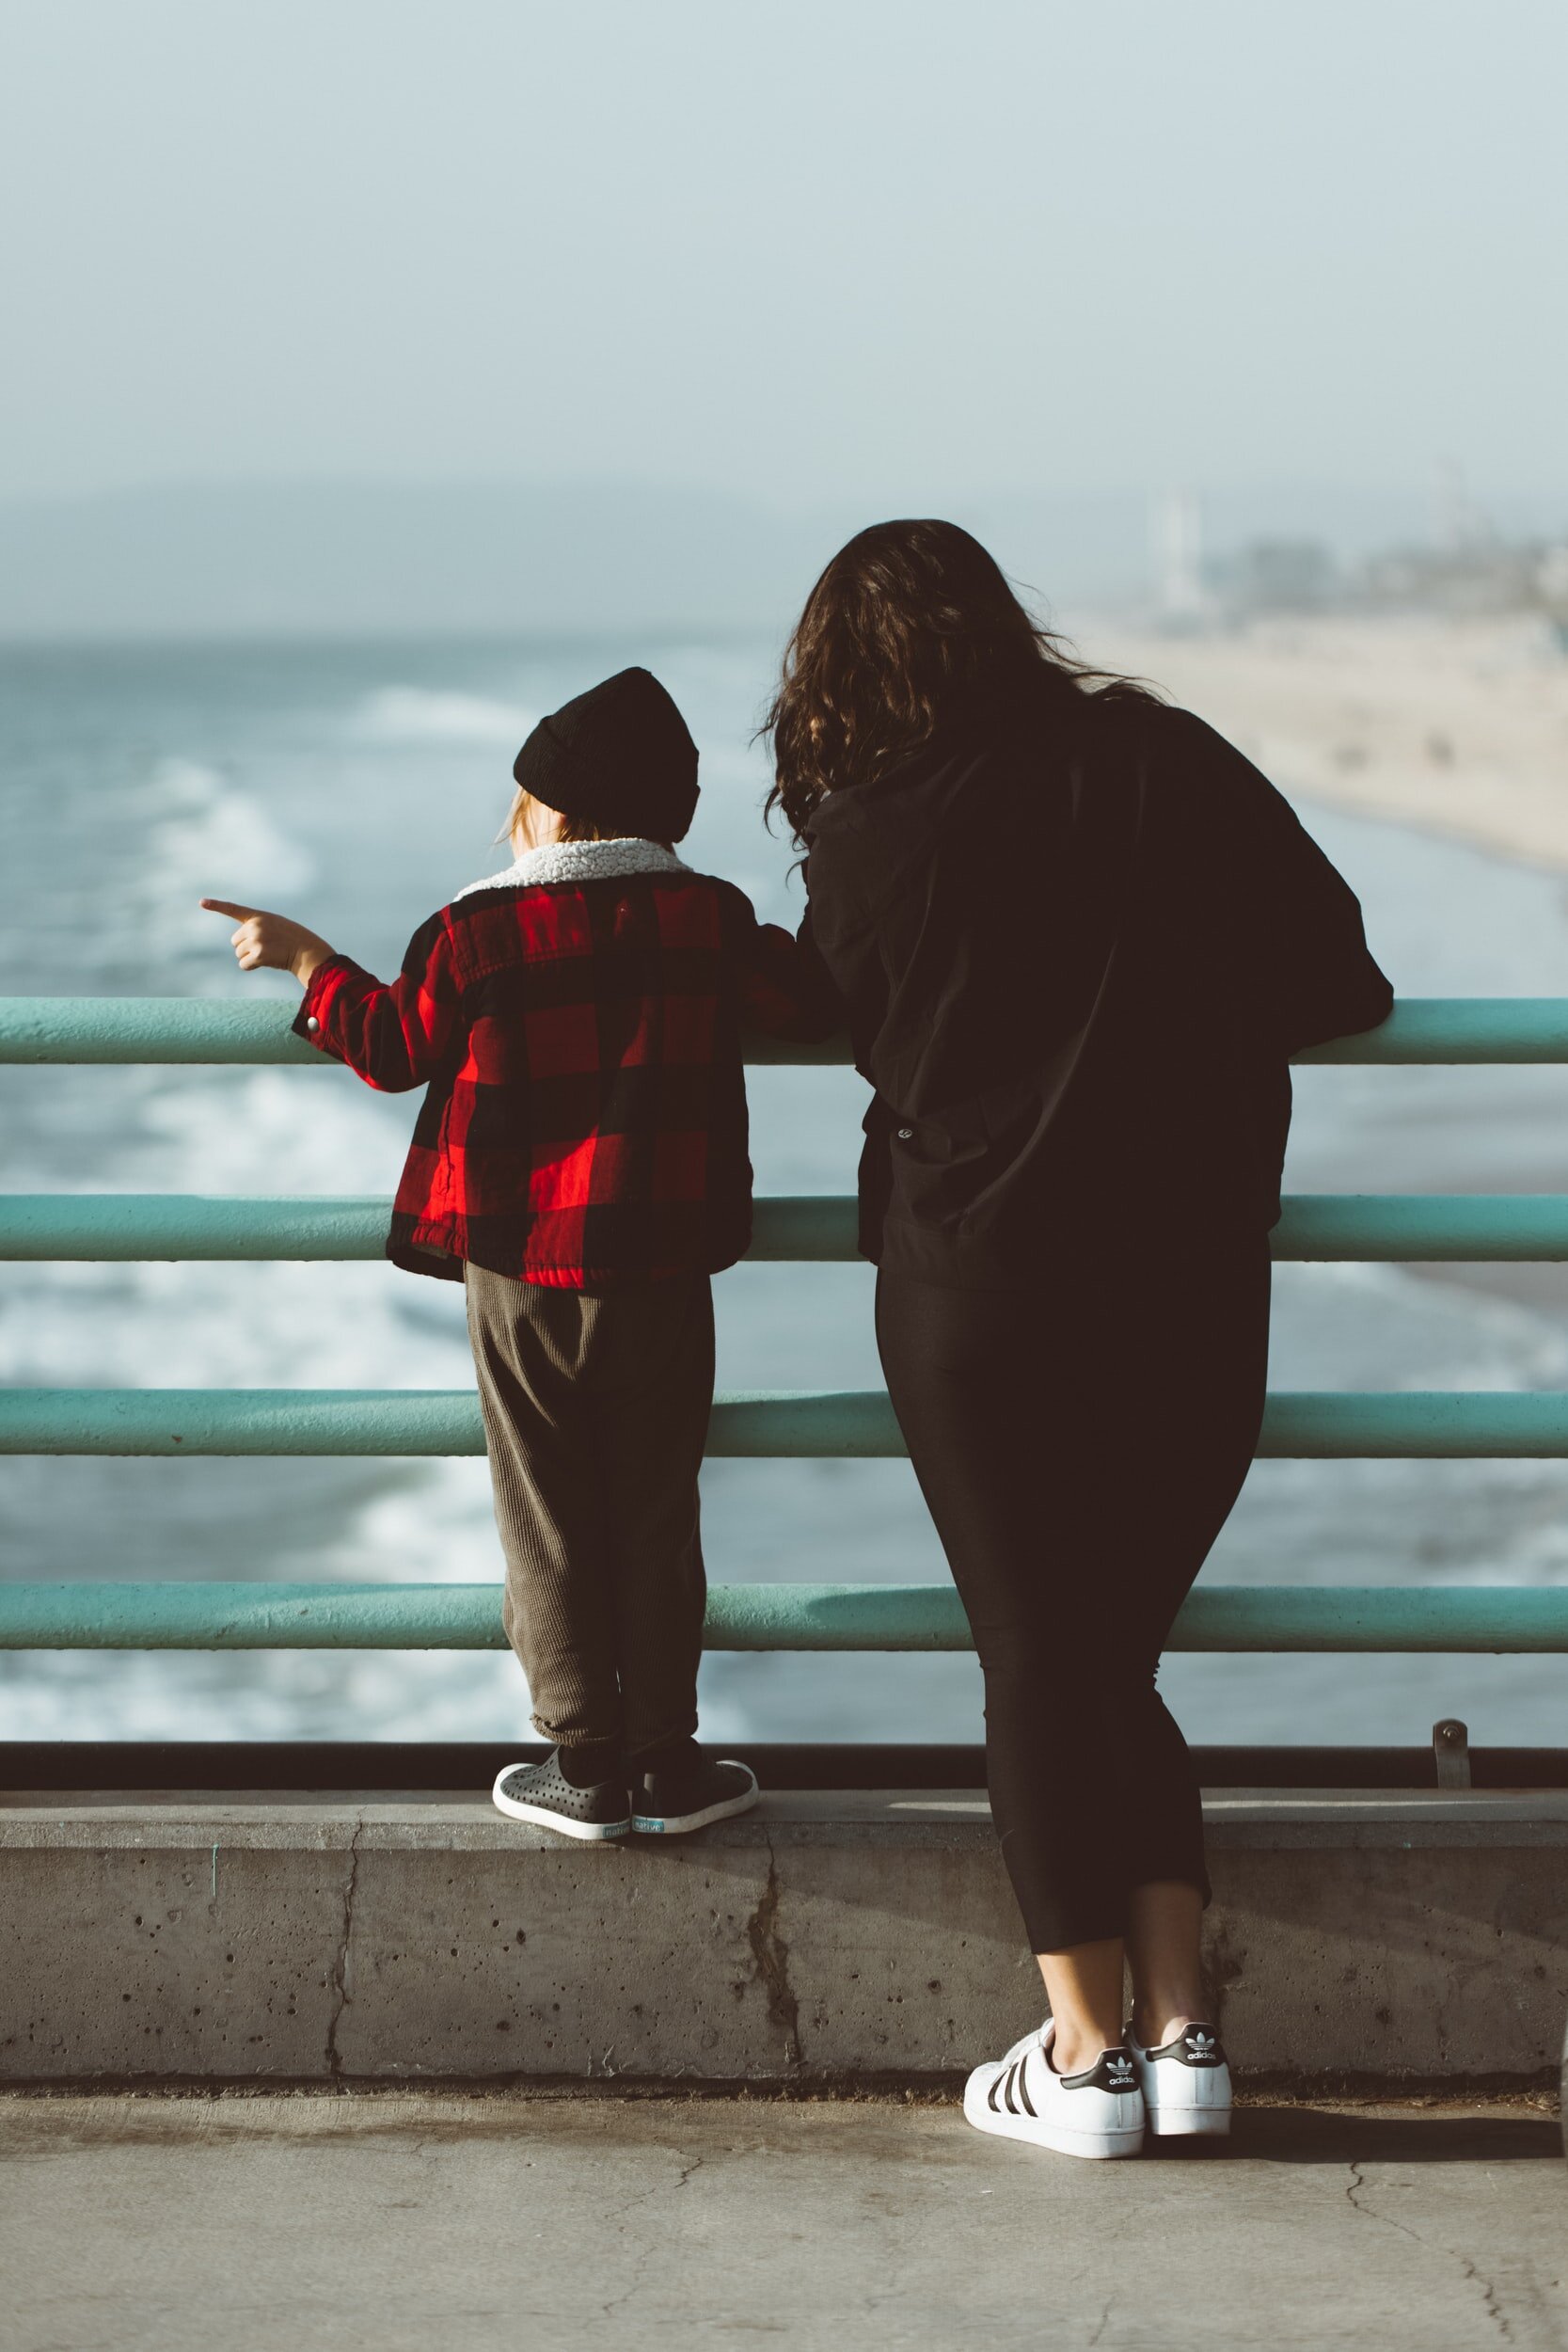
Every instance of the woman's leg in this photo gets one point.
(1083, 1992)
(1219, 1299)
(1079, 1444)
(1164, 1955)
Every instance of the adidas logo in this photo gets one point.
(1120, 2069)
(1200, 2044)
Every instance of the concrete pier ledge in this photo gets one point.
(1411, 1939)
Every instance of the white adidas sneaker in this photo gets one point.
(1097, 2113)
(1186, 2083)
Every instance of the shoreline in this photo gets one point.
(1455, 726)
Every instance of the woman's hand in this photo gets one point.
(273, 940)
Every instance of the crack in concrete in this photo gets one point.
(660, 2188)
(1472, 2275)
(770, 1963)
(339, 1966)
(1100, 2324)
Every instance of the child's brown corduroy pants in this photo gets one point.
(596, 1411)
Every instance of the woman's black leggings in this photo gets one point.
(1080, 1441)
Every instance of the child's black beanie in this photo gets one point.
(619, 757)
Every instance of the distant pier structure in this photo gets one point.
(1176, 532)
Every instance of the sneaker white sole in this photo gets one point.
(1189, 2122)
(588, 1833)
(678, 1824)
(1195, 2105)
(1037, 2131)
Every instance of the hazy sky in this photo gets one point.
(893, 248)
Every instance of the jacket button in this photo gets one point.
(312, 1023)
(905, 1135)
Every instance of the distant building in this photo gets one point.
(1472, 572)
(1182, 599)
(1475, 576)
(1280, 576)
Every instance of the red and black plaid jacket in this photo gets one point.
(585, 1124)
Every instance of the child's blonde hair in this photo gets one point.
(572, 828)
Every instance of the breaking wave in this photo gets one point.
(417, 714)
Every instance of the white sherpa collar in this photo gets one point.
(583, 861)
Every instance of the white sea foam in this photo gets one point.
(225, 1326)
(439, 1530)
(204, 829)
(417, 714)
(276, 1131)
(200, 835)
(262, 1694)
(1384, 1326)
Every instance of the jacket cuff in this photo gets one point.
(309, 1021)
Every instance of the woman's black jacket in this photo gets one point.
(1076, 943)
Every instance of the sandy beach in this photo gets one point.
(1459, 726)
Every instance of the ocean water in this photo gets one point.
(358, 786)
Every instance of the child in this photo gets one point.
(580, 1165)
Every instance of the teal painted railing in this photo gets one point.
(176, 1421)
(755, 1617)
(175, 1029)
(821, 1424)
(1468, 1228)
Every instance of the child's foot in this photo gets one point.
(543, 1793)
(688, 1791)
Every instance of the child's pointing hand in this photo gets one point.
(272, 939)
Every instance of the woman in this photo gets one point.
(1077, 936)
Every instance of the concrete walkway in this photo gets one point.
(401, 2222)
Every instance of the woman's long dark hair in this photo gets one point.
(911, 624)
